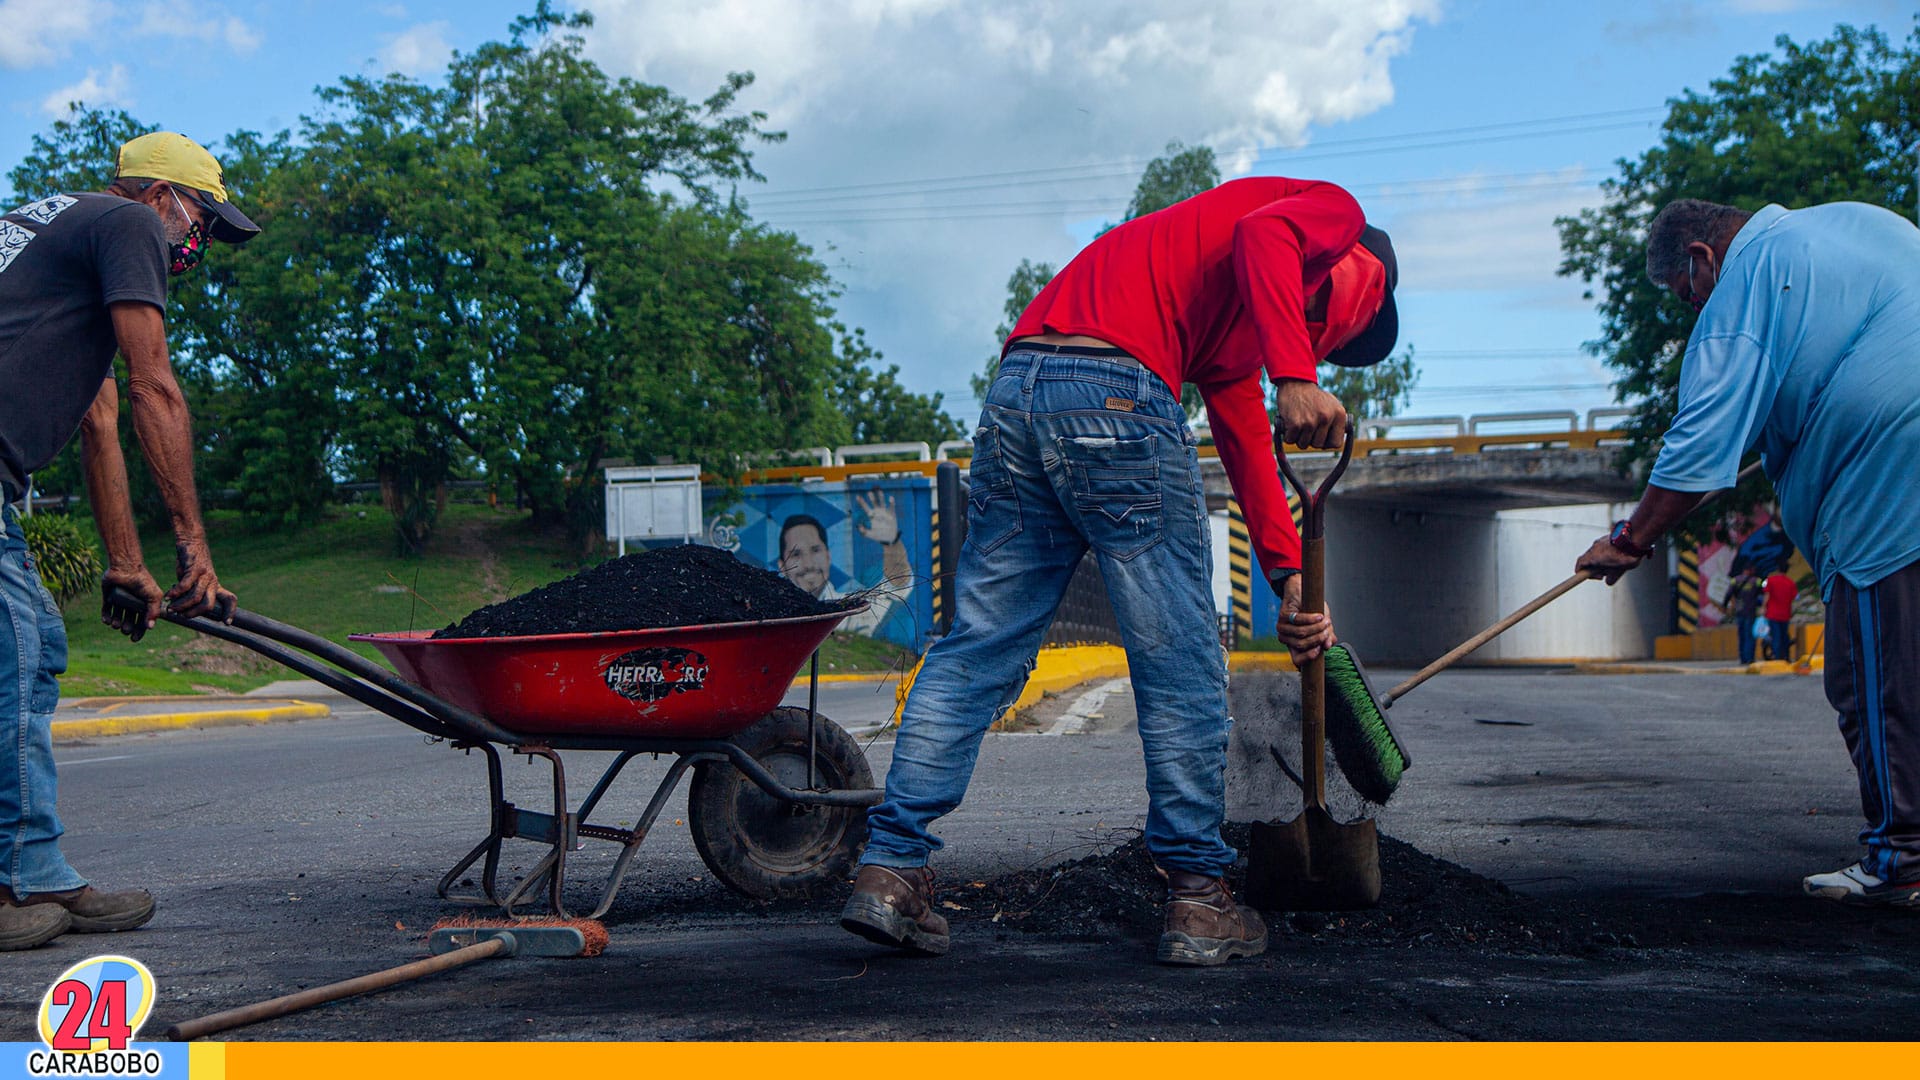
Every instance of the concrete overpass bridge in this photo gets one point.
(1439, 527)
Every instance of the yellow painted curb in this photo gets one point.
(1259, 661)
(70, 730)
(800, 682)
(1066, 667)
(1759, 667)
(1055, 669)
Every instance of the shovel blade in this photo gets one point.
(1313, 863)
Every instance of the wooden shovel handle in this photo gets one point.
(1487, 635)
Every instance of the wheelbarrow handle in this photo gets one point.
(275, 640)
(1313, 503)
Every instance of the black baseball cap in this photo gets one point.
(1376, 342)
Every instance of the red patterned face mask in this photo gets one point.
(192, 247)
(1359, 288)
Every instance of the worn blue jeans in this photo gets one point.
(33, 653)
(1075, 451)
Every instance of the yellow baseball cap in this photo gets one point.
(171, 156)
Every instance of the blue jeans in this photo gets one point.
(1075, 451)
(33, 652)
(1743, 635)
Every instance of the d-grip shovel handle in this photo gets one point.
(1313, 580)
(1313, 503)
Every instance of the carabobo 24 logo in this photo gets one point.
(652, 674)
(89, 1017)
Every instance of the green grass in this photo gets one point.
(342, 576)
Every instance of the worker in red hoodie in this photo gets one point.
(1083, 444)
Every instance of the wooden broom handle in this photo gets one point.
(1534, 605)
(1487, 635)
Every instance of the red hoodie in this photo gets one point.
(1212, 290)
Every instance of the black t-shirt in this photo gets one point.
(63, 259)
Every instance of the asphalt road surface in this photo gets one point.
(1674, 814)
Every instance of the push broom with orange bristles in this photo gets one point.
(454, 943)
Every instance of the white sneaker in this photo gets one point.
(1856, 885)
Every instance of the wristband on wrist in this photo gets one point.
(1622, 539)
(1278, 576)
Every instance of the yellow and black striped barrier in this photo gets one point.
(1239, 571)
(939, 589)
(1687, 592)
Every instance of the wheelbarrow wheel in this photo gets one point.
(769, 848)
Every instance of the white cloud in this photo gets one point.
(35, 32)
(417, 50)
(239, 37)
(890, 90)
(1487, 233)
(208, 24)
(98, 91)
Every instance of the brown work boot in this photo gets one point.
(28, 927)
(894, 906)
(92, 911)
(1204, 926)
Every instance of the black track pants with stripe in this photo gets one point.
(1873, 679)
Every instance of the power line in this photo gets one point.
(986, 211)
(1577, 123)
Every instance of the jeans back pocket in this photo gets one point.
(993, 508)
(1116, 492)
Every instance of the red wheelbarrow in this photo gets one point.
(777, 799)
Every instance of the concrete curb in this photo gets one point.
(101, 727)
(1815, 666)
(800, 681)
(1055, 669)
(1259, 661)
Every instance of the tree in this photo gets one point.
(1820, 122)
(1375, 392)
(876, 407)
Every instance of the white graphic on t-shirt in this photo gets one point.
(14, 238)
(46, 209)
(13, 241)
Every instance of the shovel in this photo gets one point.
(1314, 863)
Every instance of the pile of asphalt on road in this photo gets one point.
(1426, 902)
(687, 585)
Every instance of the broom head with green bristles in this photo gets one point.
(1364, 747)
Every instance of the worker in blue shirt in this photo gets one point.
(1807, 346)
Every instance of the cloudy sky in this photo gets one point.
(932, 144)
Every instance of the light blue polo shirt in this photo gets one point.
(1809, 348)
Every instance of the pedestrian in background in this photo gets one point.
(1743, 606)
(1807, 346)
(1782, 591)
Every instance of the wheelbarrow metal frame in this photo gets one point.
(561, 829)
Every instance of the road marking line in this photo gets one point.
(1085, 708)
(91, 760)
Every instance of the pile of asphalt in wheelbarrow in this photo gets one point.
(687, 585)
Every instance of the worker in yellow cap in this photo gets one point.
(83, 276)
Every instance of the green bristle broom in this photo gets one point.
(1364, 747)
